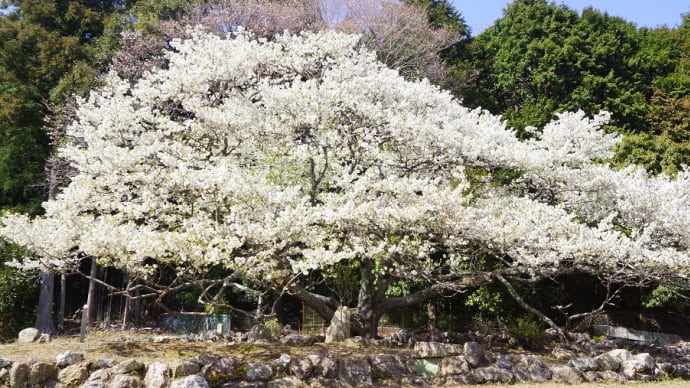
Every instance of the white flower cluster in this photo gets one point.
(278, 158)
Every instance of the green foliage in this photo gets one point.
(18, 295)
(540, 59)
(22, 156)
(667, 298)
(45, 58)
(493, 303)
(486, 301)
(442, 14)
(148, 14)
(274, 326)
(218, 309)
(343, 279)
(528, 333)
(186, 300)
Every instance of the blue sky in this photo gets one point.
(480, 14)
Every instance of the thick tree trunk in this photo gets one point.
(431, 314)
(325, 307)
(136, 305)
(369, 307)
(44, 319)
(366, 305)
(373, 303)
(91, 297)
(405, 317)
(432, 320)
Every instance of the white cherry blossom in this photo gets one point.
(275, 159)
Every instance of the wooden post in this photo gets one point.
(63, 298)
(91, 296)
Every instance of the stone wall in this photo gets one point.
(370, 364)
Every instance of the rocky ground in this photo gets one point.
(121, 359)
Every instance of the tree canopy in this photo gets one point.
(275, 159)
(347, 169)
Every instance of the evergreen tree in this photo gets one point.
(541, 58)
(442, 14)
(46, 56)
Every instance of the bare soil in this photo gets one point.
(120, 345)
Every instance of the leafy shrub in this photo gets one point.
(274, 327)
(528, 333)
(487, 301)
(18, 300)
(663, 297)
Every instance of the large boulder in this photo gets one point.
(620, 354)
(647, 360)
(74, 374)
(223, 370)
(41, 372)
(259, 333)
(68, 358)
(476, 355)
(339, 328)
(426, 349)
(505, 361)
(607, 361)
(128, 366)
(354, 373)
(102, 375)
(583, 364)
(259, 372)
(536, 368)
(424, 367)
(28, 335)
(300, 339)
(491, 374)
(193, 381)
(323, 364)
(640, 364)
(102, 363)
(520, 373)
(455, 365)
(157, 375)
(302, 368)
(185, 368)
(566, 374)
(19, 374)
(124, 381)
(386, 366)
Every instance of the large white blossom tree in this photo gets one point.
(276, 159)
